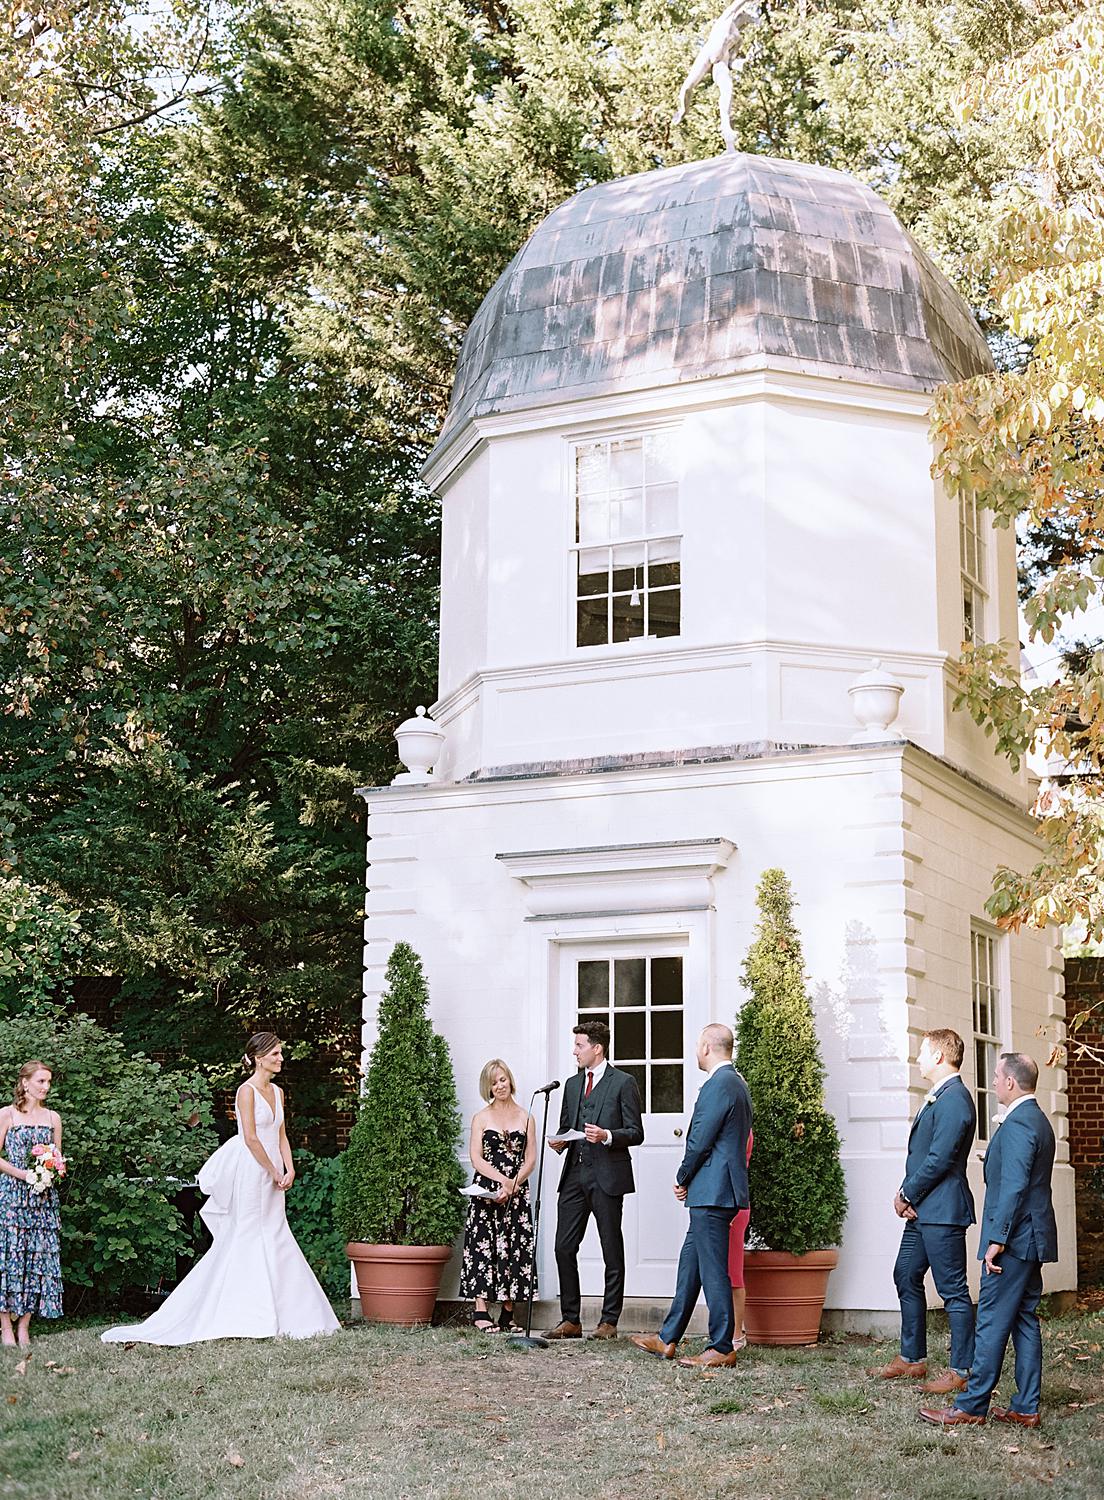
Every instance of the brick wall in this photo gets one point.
(1085, 987)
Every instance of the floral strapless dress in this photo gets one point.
(30, 1233)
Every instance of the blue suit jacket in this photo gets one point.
(938, 1150)
(1019, 1211)
(714, 1164)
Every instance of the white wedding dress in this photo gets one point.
(254, 1282)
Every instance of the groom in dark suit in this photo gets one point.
(1018, 1234)
(713, 1183)
(604, 1103)
(936, 1203)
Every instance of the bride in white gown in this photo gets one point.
(254, 1282)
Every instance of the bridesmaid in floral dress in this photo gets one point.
(498, 1238)
(30, 1248)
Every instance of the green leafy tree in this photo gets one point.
(130, 1131)
(216, 597)
(798, 1196)
(1029, 445)
(40, 939)
(400, 1177)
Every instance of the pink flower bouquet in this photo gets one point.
(48, 1163)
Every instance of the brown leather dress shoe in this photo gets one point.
(899, 1369)
(1016, 1418)
(605, 1331)
(709, 1359)
(651, 1343)
(945, 1385)
(950, 1416)
(565, 1331)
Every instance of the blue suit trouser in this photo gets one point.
(703, 1265)
(1008, 1305)
(942, 1247)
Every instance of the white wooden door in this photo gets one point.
(639, 989)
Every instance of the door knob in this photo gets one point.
(677, 1130)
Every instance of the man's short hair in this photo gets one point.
(944, 1040)
(1024, 1069)
(597, 1034)
(718, 1038)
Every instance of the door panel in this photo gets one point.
(639, 990)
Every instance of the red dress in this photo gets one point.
(736, 1234)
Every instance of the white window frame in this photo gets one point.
(974, 533)
(991, 991)
(647, 952)
(643, 540)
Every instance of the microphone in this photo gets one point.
(549, 1088)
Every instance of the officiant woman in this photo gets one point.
(498, 1238)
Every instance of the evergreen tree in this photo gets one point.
(798, 1197)
(400, 1177)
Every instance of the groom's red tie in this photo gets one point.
(590, 1085)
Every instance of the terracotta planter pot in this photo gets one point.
(785, 1295)
(398, 1283)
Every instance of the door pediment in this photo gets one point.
(619, 879)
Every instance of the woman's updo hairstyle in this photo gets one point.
(257, 1046)
(28, 1070)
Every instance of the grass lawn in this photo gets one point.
(378, 1414)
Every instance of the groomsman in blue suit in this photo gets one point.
(1018, 1234)
(712, 1181)
(936, 1203)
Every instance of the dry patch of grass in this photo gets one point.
(382, 1414)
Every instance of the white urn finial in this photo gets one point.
(875, 699)
(420, 743)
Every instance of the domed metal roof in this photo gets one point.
(702, 270)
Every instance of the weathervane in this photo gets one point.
(716, 58)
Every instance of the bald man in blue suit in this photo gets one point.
(712, 1181)
(1018, 1235)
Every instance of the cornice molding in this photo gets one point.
(772, 379)
(675, 875)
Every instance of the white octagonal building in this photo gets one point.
(692, 550)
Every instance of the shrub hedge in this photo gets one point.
(132, 1132)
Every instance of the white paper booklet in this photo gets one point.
(569, 1135)
(473, 1190)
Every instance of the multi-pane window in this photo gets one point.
(640, 1000)
(627, 563)
(971, 547)
(985, 984)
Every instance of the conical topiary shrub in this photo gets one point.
(798, 1196)
(399, 1177)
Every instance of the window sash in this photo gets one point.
(985, 986)
(972, 541)
(627, 1002)
(973, 613)
(626, 518)
(624, 488)
(973, 567)
(649, 569)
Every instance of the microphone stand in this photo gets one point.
(529, 1339)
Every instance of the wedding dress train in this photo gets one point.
(254, 1282)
